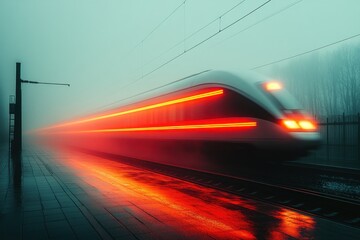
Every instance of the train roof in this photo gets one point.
(244, 82)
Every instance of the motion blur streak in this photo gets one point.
(178, 127)
(167, 205)
(171, 102)
(162, 196)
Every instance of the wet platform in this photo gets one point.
(70, 195)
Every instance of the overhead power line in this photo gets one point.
(196, 45)
(228, 26)
(163, 21)
(193, 47)
(140, 43)
(191, 35)
(217, 19)
(204, 40)
(156, 27)
(307, 52)
(265, 19)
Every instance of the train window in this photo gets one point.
(230, 104)
(236, 104)
(286, 100)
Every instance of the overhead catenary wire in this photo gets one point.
(219, 19)
(306, 52)
(163, 21)
(264, 19)
(193, 47)
(192, 35)
(148, 91)
(140, 43)
(230, 25)
(201, 42)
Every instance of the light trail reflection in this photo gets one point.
(294, 224)
(186, 207)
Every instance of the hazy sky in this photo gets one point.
(103, 48)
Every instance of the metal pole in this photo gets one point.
(18, 118)
(327, 131)
(344, 129)
(359, 136)
(358, 125)
(17, 147)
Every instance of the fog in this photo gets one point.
(109, 50)
(326, 83)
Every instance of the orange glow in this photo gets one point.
(272, 86)
(167, 103)
(172, 206)
(291, 124)
(176, 127)
(307, 125)
(294, 224)
(180, 211)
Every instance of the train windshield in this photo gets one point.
(281, 96)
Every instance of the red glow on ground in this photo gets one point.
(167, 205)
(294, 224)
(183, 212)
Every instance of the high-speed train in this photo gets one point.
(211, 108)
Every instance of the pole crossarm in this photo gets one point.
(35, 82)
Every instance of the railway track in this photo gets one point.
(333, 181)
(335, 208)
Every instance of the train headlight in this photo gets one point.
(299, 125)
(307, 125)
(291, 124)
(273, 86)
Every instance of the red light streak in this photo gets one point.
(167, 103)
(176, 127)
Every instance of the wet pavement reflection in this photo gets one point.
(118, 201)
(181, 205)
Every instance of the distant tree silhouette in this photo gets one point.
(325, 83)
